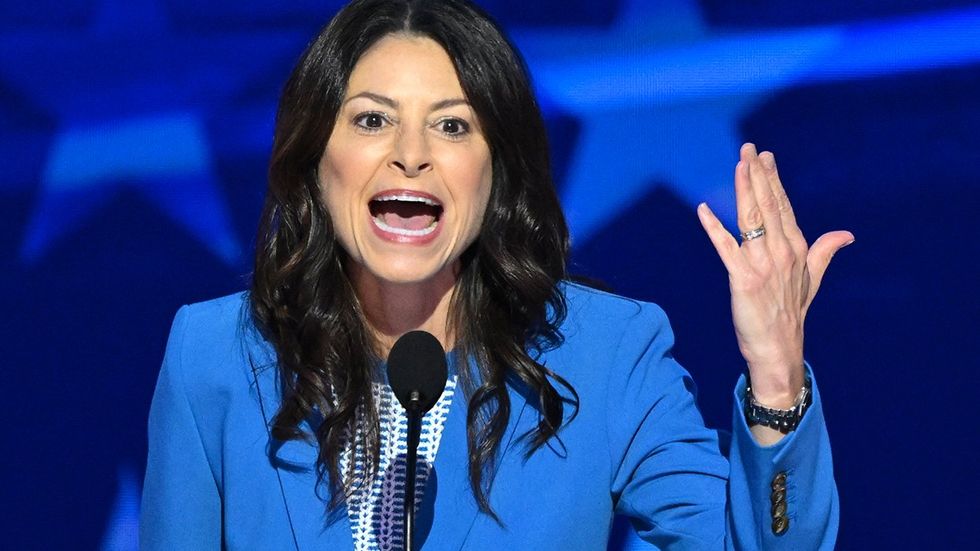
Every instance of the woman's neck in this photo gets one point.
(393, 309)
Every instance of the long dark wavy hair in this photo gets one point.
(506, 307)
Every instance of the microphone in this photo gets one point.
(417, 373)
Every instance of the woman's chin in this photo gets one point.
(405, 272)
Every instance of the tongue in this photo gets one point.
(405, 215)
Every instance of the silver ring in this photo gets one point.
(753, 234)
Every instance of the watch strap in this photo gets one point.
(783, 420)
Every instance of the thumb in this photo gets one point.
(818, 258)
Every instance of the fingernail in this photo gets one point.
(768, 161)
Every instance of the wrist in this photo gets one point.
(773, 399)
(775, 385)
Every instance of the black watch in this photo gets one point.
(783, 420)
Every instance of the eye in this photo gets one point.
(371, 121)
(453, 127)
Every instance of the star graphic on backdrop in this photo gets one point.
(659, 96)
(130, 99)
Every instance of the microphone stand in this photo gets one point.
(417, 373)
(414, 432)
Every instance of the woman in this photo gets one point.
(410, 189)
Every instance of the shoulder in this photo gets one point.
(213, 345)
(215, 317)
(606, 334)
(213, 327)
(601, 317)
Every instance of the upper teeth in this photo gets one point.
(411, 198)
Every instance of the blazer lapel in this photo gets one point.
(448, 493)
(295, 464)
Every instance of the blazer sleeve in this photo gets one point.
(181, 505)
(672, 480)
(782, 496)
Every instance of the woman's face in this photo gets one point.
(406, 173)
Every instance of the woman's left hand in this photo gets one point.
(773, 277)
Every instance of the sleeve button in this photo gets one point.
(779, 509)
(779, 481)
(780, 525)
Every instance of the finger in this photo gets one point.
(775, 237)
(790, 226)
(747, 210)
(748, 214)
(823, 249)
(724, 243)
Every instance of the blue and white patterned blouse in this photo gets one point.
(375, 508)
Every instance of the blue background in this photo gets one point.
(134, 137)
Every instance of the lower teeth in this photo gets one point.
(403, 231)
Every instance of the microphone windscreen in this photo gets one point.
(417, 362)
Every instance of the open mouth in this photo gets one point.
(405, 214)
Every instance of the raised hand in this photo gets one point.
(773, 275)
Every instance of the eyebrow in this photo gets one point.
(384, 100)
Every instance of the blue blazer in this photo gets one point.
(638, 447)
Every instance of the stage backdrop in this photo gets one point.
(134, 140)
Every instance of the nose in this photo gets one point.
(410, 155)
